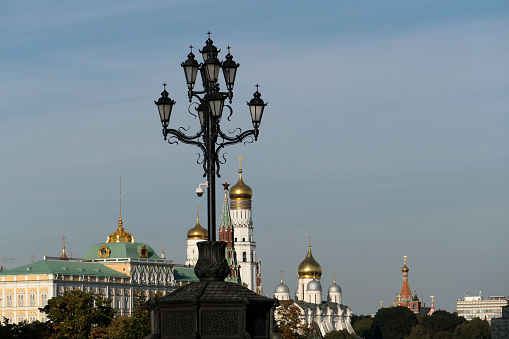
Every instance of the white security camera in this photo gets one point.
(199, 191)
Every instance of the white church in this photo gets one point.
(329, 315)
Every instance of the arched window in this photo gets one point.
(44, 299)
(21, 300)
(244, 258)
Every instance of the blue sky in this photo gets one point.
(385, 135)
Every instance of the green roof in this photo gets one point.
(184, 274)
(120, 250)
(65, 267)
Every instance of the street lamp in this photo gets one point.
(209, 104)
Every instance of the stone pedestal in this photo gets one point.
(212, 308)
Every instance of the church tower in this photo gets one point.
(405, 297)
(309, 273)
(195, 235)
(226, 234)
(240, 213)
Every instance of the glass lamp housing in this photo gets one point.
(256, 106)
(164, 105)
(216, 104)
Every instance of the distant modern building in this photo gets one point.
(500, 326)
(406, 298)
(330, 315)
(477, 307)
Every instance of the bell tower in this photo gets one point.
(245, 246)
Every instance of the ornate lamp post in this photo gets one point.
(211, 308)
(209, 104)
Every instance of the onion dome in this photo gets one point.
(334, 288)
(405, 267)
(314, 285)
(282, 288)
(120, 235)
(197, 232)
(309, 267)
(241, 191)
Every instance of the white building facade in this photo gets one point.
(477, 307)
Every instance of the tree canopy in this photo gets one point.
(75, 313)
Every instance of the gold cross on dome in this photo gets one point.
(281, 276)
(197, 210)
(63, 239)
(33, 258)
(309, 241)
(405, 259)
(334, 277)
(240, 161)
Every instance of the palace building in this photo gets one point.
(118, 269)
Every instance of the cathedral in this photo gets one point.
(330, 315)
(405, 297)
(236, 229)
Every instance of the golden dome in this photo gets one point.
(309, 267)
(241, 191)
(120, 235)
(405, 267)
(197, 232)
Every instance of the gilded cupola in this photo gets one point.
(405, 268)
(197, 232)
(240, 193)
(309, 267)
(120, 235)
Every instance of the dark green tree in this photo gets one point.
(420, 332)
(343, 334)
(75, 313)
(364, 327)
(442, 321)
(394, 322)
(474, 329)
(24, 330)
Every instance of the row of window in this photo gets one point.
(21, 317)
(9, 300)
